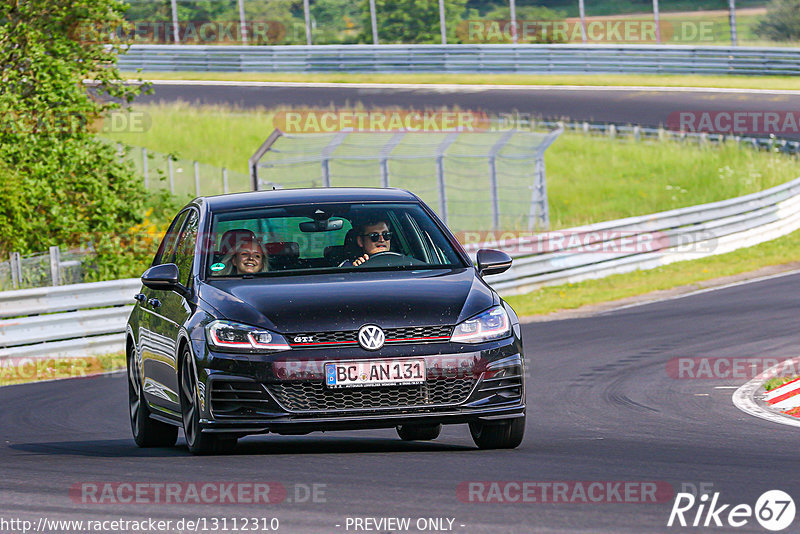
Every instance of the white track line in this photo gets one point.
(450, 87)
(743, 397)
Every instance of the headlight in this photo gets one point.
(486, 326)
(230, 336)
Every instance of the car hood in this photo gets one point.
(347, 301)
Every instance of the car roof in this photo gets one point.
(285, 197)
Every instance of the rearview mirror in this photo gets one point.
(327, 225)
(493, 261)
(164, 277)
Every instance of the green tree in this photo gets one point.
(336, 21)
(782, 21)
(411, 21)
(495, 25)
(69, 187)
(274, 22)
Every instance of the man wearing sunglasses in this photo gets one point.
(373, 237)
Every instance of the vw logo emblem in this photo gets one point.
(371, 337)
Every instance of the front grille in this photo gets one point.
(410, 334)
(400, 335)
(238, 398)
(314, 396)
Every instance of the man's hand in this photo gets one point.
(359, 261)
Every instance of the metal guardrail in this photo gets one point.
(467, 58)
(63, 321)
(648, 241)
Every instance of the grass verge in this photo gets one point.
(589, 80)
(38, 369)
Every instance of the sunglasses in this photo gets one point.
(376, 236)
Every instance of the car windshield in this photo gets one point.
(337, 237)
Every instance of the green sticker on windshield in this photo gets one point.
(217, 266)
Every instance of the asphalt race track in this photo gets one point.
(645, 107)
(602, 407)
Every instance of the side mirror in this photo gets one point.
(164, 277)
(493, 261)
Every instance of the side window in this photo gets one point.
(166, 251)
(184, 252)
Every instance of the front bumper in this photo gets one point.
(247, 394)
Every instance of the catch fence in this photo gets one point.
(473, 180)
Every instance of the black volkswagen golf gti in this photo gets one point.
(294, 311)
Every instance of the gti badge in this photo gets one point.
(371, 337)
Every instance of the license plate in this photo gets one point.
(365, 373)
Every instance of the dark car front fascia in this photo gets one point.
(257, 368)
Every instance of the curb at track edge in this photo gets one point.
(743, 398)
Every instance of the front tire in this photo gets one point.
(418, 432)
(196, 440)
(503, 435)
(146, 431)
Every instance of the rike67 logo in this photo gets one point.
(774, 510)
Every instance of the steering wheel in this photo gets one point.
(389, 259)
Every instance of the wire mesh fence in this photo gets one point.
(473, 180)
(50, 268)
(181, 176)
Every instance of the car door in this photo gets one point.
(157, 349)
(172, 313)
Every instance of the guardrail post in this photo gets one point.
(386, 151)
(612, 131)
(637, 133)
(171, 175)
(586, 128)
(225, 180)
(16, 269)
(442, 188)
(492, 156)
(495, 197)
(374, 22)
(441, 149)
(326, 154)
(197, 178)
(326, 172)
(384, 172)
(144, 168)
(55, 266)
(539, 217)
